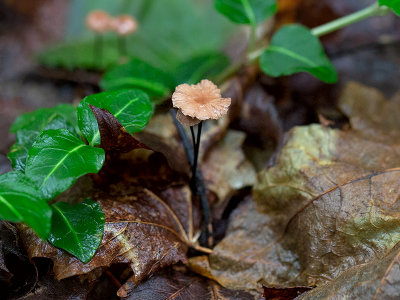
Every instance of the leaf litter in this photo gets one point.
(329, 204)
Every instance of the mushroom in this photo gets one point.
(99, 22)
(195, 104)
(124, 25)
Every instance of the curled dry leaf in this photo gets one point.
(113, 135)
(329, 204)
(140, 230)
(176, 285)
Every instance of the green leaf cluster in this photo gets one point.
(54, 147)
(292, 49)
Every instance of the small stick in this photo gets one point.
(200, 185)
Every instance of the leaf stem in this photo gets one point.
(253, 23)
(370, 11)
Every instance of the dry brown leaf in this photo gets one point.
(161, 136)
(141, 230)
(226, 169)
(330, 203)
(378, 280)
(176, 285)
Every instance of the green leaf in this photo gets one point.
(137, 74)
(250, 12)
(20, 201)
(58, 158)
(208, 65)
(132, 108)
(28, 126)
(393, 4)
(77, 228)
(294, 49)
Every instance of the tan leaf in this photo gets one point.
(330, 203)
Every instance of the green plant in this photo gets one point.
(54, 147)
(294, 48)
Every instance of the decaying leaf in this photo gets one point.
(50, 288)
(113, 135)
(329, 204)
(13, 282)
(377, 280)
(226, 169)
(176, 285)
(162, 136)
(271, 293)
(140, 230)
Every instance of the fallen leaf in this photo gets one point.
(113, 135)
(329, 204)
(274, 293)
(50, 288)
(226, 169)
(161, 136)
(176, 285)
(371, 114)
(140, 230)
(379, 279)
(14, 282)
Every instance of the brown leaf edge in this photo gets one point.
(114, 137)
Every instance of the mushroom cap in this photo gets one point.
(124, 25)
(201, 101)
(98, 20)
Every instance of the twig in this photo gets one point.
(200, 186)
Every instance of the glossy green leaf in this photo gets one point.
(58, 158)
(77, 228)
(20, 201)
(28, 126)
(294, 49)
(393, 4)
(208, 65)
(246, 11)
(132, 108)
(137, 74)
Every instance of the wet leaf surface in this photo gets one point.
(172, 284)
(58, 158)
(140, 230)
(379, 279)
(328, 204)
(77, 228)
